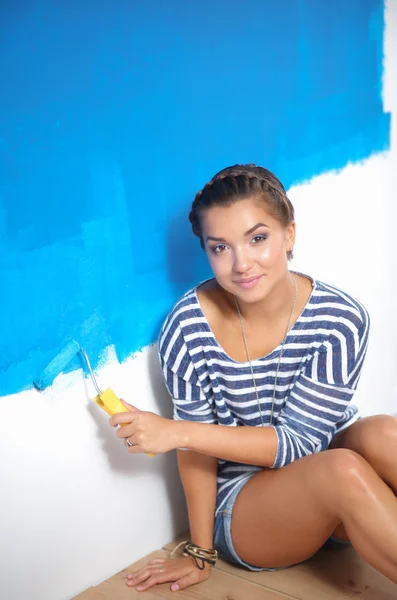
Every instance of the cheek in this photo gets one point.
(272, 252)
(221, 266)
(217, 264)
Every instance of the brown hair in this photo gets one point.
(238, 183)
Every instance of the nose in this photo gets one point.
(242, 261)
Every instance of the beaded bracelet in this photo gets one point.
(205, 555)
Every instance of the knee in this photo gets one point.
(377, 433)
(347, 469)
(385, 428)
(339, 476)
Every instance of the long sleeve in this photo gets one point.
(189, 400)
(321, 394)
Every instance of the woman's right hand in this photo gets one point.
(182, 572)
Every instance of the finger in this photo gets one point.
(129, 406)
(154, 580)
(156, 561)
(129, 443)
(184, 582)
(123, 417)
(126, 431)
(139, 577)
(126, 444)
(136, 449)
(154, 568)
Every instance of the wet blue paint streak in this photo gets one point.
(113, 114)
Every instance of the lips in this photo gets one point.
(248, 279)
(249, 282)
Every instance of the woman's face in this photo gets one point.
(246, 247)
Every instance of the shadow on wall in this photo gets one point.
(186, 261)
(118, 457)
(167, 465)
(162, 466)
(186, 266)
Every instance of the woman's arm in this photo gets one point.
(307, 422)
(248, 445)
(305, 425)
(153, 434)
(198, 474)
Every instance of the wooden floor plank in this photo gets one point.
(339, 574)
(89, 594)
(345, 571)
(174, 543)
(329, 575)
(220, 586)
(115, 587)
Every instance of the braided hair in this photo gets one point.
(240, 182)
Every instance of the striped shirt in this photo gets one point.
(319, 370)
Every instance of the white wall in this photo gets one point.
(346, 236)
(75, 507)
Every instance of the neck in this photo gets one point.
(277, 303)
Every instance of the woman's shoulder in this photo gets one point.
(184, 317)
(339, 304)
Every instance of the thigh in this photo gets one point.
(284, 516)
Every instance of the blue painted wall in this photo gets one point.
(114, 113)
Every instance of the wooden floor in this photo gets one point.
(330, 575)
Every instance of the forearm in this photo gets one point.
(198, 475)
(247, 445)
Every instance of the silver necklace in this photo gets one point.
(279, 358)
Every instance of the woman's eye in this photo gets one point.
(259, 238)
(219, 248)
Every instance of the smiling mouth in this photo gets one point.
(249, 282)
(248, 279)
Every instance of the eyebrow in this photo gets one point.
(215, 239)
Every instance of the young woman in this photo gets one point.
(262, 363)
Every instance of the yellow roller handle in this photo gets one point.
(111, 404)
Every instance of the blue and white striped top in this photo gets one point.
(319, 371)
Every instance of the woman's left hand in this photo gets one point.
(181, 572)
(147, 432)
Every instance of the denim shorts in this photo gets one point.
(223, 536)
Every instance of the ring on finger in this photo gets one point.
(128, 443)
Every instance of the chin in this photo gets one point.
(250, 296)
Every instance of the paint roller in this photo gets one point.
(107, 400)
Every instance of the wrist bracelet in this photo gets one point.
(205, 555)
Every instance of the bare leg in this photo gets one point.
(375, 439)
(284, 516)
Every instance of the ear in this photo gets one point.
(290, 236)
